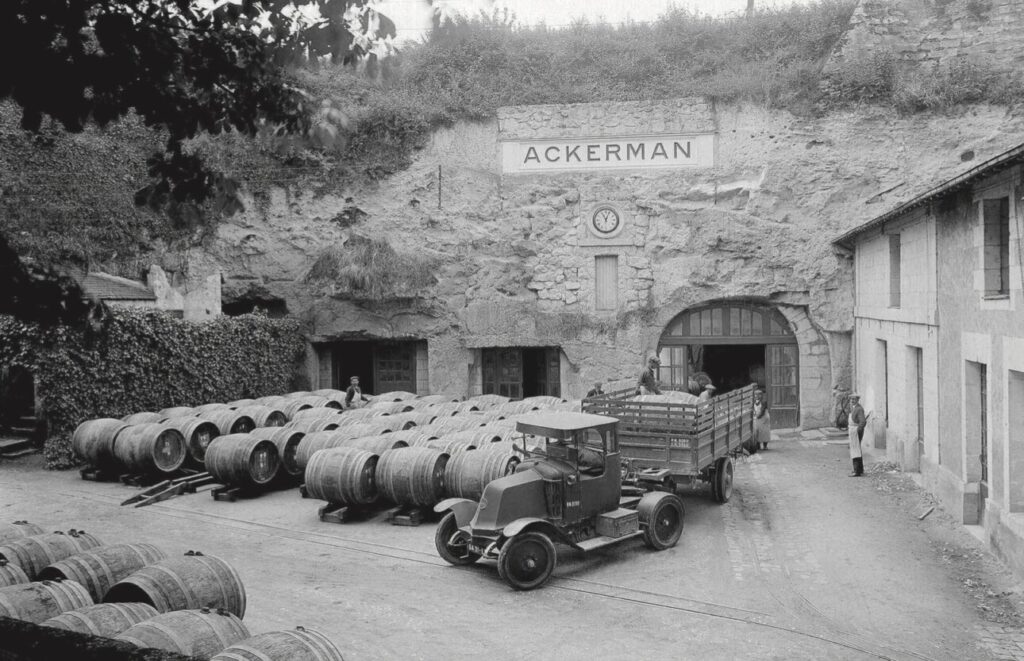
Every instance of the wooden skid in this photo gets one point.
(337, 513)
(98, 475)
(405, 516)
(231, 494)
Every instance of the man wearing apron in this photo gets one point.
(858, 421)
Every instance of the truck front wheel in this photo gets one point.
(662, 513)
(453, 550)
(526, 561)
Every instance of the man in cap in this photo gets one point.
(596, 390)
(647, 384)
(354, 394)
(858, 421)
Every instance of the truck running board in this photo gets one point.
(600, 542)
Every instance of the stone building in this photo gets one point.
(939, 342)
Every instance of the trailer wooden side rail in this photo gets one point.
(679, 442)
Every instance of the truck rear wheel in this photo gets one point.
(722, 485)
(526, 561)
(455, 554)
(662, 515)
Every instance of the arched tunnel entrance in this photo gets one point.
(736, 344)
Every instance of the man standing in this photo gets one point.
(354, 394)
(596, 390)
(647, 384)
(858, 421)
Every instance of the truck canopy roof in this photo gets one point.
(562, 424)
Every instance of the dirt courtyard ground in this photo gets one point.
(803, 563)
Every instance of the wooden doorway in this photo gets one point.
(381, 366)
(736, 344)
(519, 372)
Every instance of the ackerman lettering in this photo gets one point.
(610, 152)
(678, 150)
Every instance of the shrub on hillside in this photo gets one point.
(146, 360)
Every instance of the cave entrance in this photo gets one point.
(18, 402)
(518, 372)
(382, 366)
(735, 344)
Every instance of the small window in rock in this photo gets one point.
(606, 282)
(894, 270)
(996, 221)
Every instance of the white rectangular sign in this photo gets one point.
(662, 151)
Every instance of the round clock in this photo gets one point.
(606, 220)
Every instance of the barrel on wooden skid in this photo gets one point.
(467, 473)
(321, 440)
(230, 421)
(263, 416)
(32, 554)
(151, 448)
(311, 425)
(18, 530)
(193, 580)
(93, 442)
(376, 444)
(39, 601)
(106, 620)
(142, 418)
(412, 476)
(11, 574)
(198, 433)
(99, 568)
(197, 633)
(242, 460)
(299, 644)
(345, 476)
(287, 442)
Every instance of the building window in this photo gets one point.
(894, 270)
(995, 214)
(606, 282)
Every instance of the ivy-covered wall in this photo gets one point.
(146, 360)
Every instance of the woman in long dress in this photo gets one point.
(762, 421)
(858, 421)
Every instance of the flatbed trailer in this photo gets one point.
(680, 443)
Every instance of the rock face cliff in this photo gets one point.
(514, 261)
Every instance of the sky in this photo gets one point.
(411, 17)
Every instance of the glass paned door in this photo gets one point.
(783, 393)
(395, 367)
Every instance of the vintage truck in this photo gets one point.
(670, 444)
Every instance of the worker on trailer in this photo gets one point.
(647, 384)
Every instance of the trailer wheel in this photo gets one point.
(455, 554)
(526, 561)
(722, 484)
(662, 515)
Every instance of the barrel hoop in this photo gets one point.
(213, 566)
(189, 602)
(183, 647)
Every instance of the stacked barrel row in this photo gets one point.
(191, 604)
(408, 458)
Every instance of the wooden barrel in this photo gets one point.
(516, 408)
(11, 574)
(198, 433)
(287, 442)
(31, 554)
(321, 440)
(193, 580)
(273, 401)
(394, 396)
(315, 413)
(488, 401)
(297, 645)
(207, 408)
(413, 437)
(142, 418)
(412, 476)
(350, 420)
(36, 602)
(242, 460)
(241, 403)
(389, 408)
(264, 416)
(373, 427)
(230, 421)
(342, 475)
(543, 402)
(18, 530)
(503, 423)
(101, 567)
(574, 405)
(412, 419)
(376, 444)
(485, 416)
(450, 446)
(93, 442)
(467, 473)
(177, 412)
(313, 425)
(434, 399)
(328, 392)
(154, 447)
(197, 633)
(297, 394)
(106, 620)
(480, 437)
(442, 426)
(296, 404)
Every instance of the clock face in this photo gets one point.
(606, 220)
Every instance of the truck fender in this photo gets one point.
(464, 509)
(532, 523)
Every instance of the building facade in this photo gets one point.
(939, 343)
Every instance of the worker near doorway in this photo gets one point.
(858, 421)
(762, 421)
(647, 384)
(354, 397)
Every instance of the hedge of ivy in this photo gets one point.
(146, 360)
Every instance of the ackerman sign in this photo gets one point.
(661, 151)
